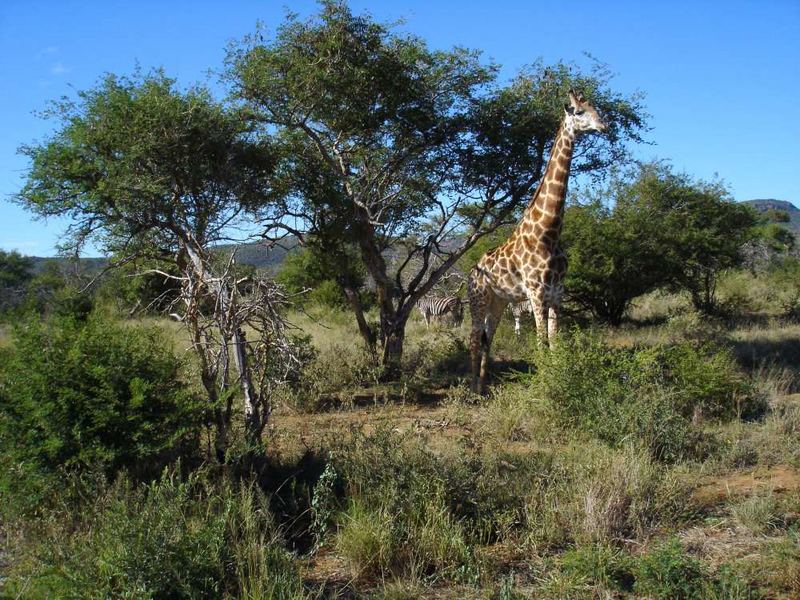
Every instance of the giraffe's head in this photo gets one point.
(582, 115)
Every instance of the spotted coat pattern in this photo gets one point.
(530, 265)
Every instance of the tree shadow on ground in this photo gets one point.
(759, 352)
(289, 483)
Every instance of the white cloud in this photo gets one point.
(59, 69)
(47, 51)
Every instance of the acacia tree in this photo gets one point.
(701, 229)
(409, 154)
(148, 171)
(651, 228)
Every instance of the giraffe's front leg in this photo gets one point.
(540, 314)
(552, 323)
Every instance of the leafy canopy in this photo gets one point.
(138, 162)
(647, 229)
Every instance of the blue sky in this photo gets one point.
(721, 78)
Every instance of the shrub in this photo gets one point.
(667, 572)
(169, 539)
(94, 394)
(647, 394)
(333, 374)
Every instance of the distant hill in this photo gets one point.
(763, 205)
(257, 255)
(262, 256)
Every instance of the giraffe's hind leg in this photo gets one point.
(492, 319)
(476, 337)
(478, 304)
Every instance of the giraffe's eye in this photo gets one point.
(580, 112)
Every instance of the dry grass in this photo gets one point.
(5, 335)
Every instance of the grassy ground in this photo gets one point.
(609, 521)
(615, 467)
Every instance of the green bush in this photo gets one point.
(169, 539)
(78, 394)
(648, 395)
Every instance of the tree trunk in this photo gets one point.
(254, 421)
(393, 338)
(366, 331)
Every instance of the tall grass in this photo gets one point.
(169, 539)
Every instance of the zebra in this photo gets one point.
(432, 307)
(517, 310)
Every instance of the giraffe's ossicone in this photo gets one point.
(530, 264)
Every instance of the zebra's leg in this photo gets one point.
(517, 327)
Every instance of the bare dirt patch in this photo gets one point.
(779, 479)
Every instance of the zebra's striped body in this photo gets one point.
(434, 308)
(517, 310)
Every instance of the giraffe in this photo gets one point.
(530, 264)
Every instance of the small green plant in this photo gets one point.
(604, 565)
(322, 504)
(668, 573)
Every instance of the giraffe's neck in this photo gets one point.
(546, 207)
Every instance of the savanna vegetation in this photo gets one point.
(179, 425)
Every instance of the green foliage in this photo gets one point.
(15, 272)
(334, 376)
(54, 291)
(169, 539)
(650, 229)
(314, 274)
(668, 572)
(135, 286)
(94, 394)
(138, 163)
(647, 394)
(407, 511)
(604, 565)
(612, 258)
(399, 519)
